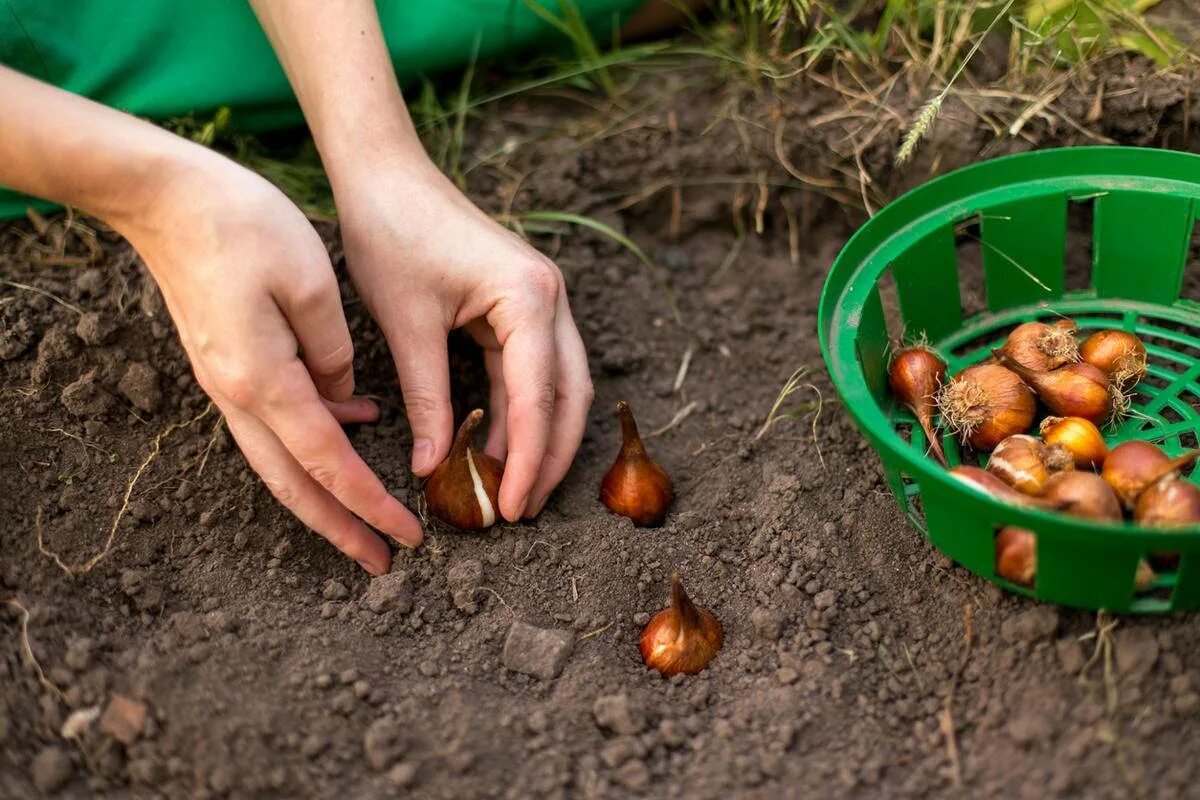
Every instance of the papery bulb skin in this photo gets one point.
(1169, 503)
(1079, 436)
(1133, 466)
(985, 404)
(635, 486)
(1076, 390)
(1016, 555)
(464, 490)
(1118, 354)
(915, 376)
(1083, 494)
(1043, 346)
(1025, 462)
(682, 638)
(986, 482)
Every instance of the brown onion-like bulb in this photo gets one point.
(915, 375)
(1169, 503)
(1134, 466)
(635, 486)
(1076, 390)
(1042, 346)
(1025, 462)
(682, 638)
(986, 404)
(1083, 494)
(1080, 437)
(464, 490)
(1016, 555)
(988, 483)
(1118, 354)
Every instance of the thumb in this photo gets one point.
(419, 350)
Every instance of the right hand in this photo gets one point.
(249, 285)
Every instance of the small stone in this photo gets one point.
(1037, 623)
(615, 712)
(79, 654)
(537, 721)
(391, 592)
(767, 623)
(786, 675)
(348, 675)
(825, 599)
(124, 719)
(51, 769)
(361, 689)
(633, 775)
(85, 397)
(464, 579)
(344, 703)
(403, 774)
(1136, 650)
(383, 743)
(335, 590)
(95, 328)
(140, 386)
(428, 668)
(323, 681)
(540, 652)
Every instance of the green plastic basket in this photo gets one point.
(1145, 206)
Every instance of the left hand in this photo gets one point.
(425, 261)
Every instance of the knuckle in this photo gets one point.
(334, 363)
(543, 282)
(422, 403)
(311, 290)
(282, 490)
(236, 382)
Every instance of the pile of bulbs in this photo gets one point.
(463, 491)
(1068, 467)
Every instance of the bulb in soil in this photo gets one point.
(463, 490)
(985, 404)
(915, 375)
(1118, 354)
(1025, 463)
(1076, 390)
(1081, 438)
(1042, 346)
(1083, 494)
(682, 638)
(1016, 555)
(635, 486)
(1134, 466)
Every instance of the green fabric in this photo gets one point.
(164, 58)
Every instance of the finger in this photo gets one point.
(528, 360)
(314, 312)
(422, 363)
(301, 495)
(311, 434)
(497, 441)
(573, 399)
(354, 410)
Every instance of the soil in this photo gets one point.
(857, 662)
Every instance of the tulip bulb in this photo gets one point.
(1076, 390)
(986, 404)
(635, 486)
(1169, 503)
(915, 376)
(1080, 437)
(1083, 494)
(464, 490)
(1118, 354)
(1042, 346)
(984, 481)
(682, 638)
(1016, 555)
(1134, 466)
(1026, 463)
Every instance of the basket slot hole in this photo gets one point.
(1188, 440)
(1156, 592)
(890, 301)
(1080, 241)
(1170, 414)
(1191, 271)
(972, 289)
(1015, 556)
(990, 340)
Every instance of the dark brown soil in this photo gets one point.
(857, 662)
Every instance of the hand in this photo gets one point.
(249, 284)
(426, 261)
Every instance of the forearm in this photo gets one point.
(338, 64)
(62, 147)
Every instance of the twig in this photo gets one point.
(87, 566)
(596, 632)
(679, 417)
(43, 293)
(683, 368)
(27, 650)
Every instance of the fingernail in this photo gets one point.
(422, 455)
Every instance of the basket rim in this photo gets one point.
(951, 197)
